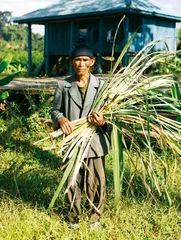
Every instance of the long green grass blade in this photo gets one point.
(117, 160)
(123, 53)
(121, 156)
(64, 178)
(8, 79)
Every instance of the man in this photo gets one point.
(73, 100)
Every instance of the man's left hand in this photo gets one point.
(96, 119)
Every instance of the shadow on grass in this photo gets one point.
(33, 175)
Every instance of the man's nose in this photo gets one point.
(81, 62)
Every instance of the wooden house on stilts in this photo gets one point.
(95, 22)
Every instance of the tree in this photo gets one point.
(14, 40)
(5, 18)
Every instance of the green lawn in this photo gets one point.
(29, 177)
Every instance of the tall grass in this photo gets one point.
(29, 177)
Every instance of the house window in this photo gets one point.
(135, 24)
(82, 34)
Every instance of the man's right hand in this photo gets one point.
(65, 125)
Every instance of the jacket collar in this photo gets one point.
(91, 91)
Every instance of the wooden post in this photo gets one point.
(125, 58)
(71, 45)
(29, 51)
(99, 57)
(47, 63)
(175, 37)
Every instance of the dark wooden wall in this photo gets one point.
(99, 32)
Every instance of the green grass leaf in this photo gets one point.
(117, 160)
(4, 95)
(8, 79)
(5, 62)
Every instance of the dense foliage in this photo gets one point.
(14, 39)
(7, 79)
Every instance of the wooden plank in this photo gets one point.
(36, 85)
(33, 86)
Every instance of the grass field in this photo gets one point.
(29, 177)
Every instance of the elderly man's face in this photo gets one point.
(82, 65)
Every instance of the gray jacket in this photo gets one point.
(68, 103)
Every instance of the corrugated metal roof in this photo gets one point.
(73, 8)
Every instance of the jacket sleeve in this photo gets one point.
(57, 108)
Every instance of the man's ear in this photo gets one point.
(93, 61)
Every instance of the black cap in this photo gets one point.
(82, 50)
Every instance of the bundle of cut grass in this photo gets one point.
(134, 104)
